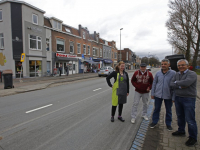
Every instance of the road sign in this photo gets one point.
(83, 56)
(22, 57)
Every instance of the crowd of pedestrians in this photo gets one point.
(168, 86)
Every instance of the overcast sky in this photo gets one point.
(143, 21)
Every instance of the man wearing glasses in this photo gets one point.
(184, 83)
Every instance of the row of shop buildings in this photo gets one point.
(50, 44)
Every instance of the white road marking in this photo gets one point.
(21, 124)
(38, 108)
(97, 89)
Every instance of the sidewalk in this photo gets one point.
(32, 84)
(160, 138)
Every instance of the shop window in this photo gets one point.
(100, 52)
(35, 68)
(71, 47)
(47, 44)
(18, 69)
(1, 41)
(1, 18)
(35, 19)
(88, 50)
(35, 42)
(79, 48)
(60, 45)
(84, 49)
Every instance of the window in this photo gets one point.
(97, 51)
(47, 44)
(67, 30)
(112, 55)
(104, 53)
(94, 52)
(35, 42)
(84, 49)
(109, 55)
(100, 52)
(83, 35)
(79, 48)
(35, 19)
(71, 48)
(97, 39)
(1, 18)
(106, 43)
(60, 45)
(88, 50)
(1, 41)
(115, 55)
(126, 55)
(56, 24)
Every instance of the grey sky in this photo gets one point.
(143, 21)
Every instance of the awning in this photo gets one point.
(91, 62)
(108, 61)
(66, 59)
(97, 59)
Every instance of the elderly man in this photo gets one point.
(161, 91)
(142, 81)
(184, 83)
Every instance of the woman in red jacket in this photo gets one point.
(142, 80)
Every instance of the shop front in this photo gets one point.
(100, 62)
(90, 66)
(108, 62)
(63, 60)
(35, 68)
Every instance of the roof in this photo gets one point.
(22, 2)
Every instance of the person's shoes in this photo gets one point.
(177, 133)
(169, 128)
(190, 142)
(133, 120)
(112, 119)
(121, 119)
(145, 117)
(152, 125)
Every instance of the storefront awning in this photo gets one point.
(97, 59)
(91, 62)
(108, 61)
(66, 59)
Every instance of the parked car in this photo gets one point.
(105, 71)
(149, 68)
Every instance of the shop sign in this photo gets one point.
(65, 55)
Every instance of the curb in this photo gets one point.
(140, 136)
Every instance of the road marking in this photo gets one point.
(23, 123)
(97, 89)
(38, 108)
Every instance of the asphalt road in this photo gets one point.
(74, 116)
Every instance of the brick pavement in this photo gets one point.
(160, 138)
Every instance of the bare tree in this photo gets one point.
(183, 27)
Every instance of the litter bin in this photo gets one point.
(8, 79)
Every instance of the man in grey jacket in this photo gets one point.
(161, 91)
(184, 83)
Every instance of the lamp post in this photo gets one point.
(120, 45)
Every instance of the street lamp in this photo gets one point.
(120, 44)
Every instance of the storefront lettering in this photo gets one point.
(65, 55)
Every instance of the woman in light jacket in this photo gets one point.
(120, 89)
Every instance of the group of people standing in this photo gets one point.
(66, 69)
(168, 85)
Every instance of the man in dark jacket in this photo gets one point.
(142, 81)
(184, 83)
(60, 69)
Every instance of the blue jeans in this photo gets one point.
(185, 110)
(168, 107)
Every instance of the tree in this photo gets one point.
(184, 28)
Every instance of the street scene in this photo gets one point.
(99, 75)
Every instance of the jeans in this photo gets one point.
(185, 110)
(168, 107)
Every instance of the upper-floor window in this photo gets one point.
(60, 45)
(104, 53)
(106, 43)
(100, 52)
(35, 19)
(97, 39)
(94, 54)
(1, 41)
(56, 24)
(115, 55)
(67, 30)
(109, 53)
(47, 44)
(79, 48)
(1, 18)
(84, 49)
(83, 35)
(71, 47)
(88, 50)
(97, 51)
(126, 55)
(35, 42)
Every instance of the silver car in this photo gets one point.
(105, 71)
(149, 68)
